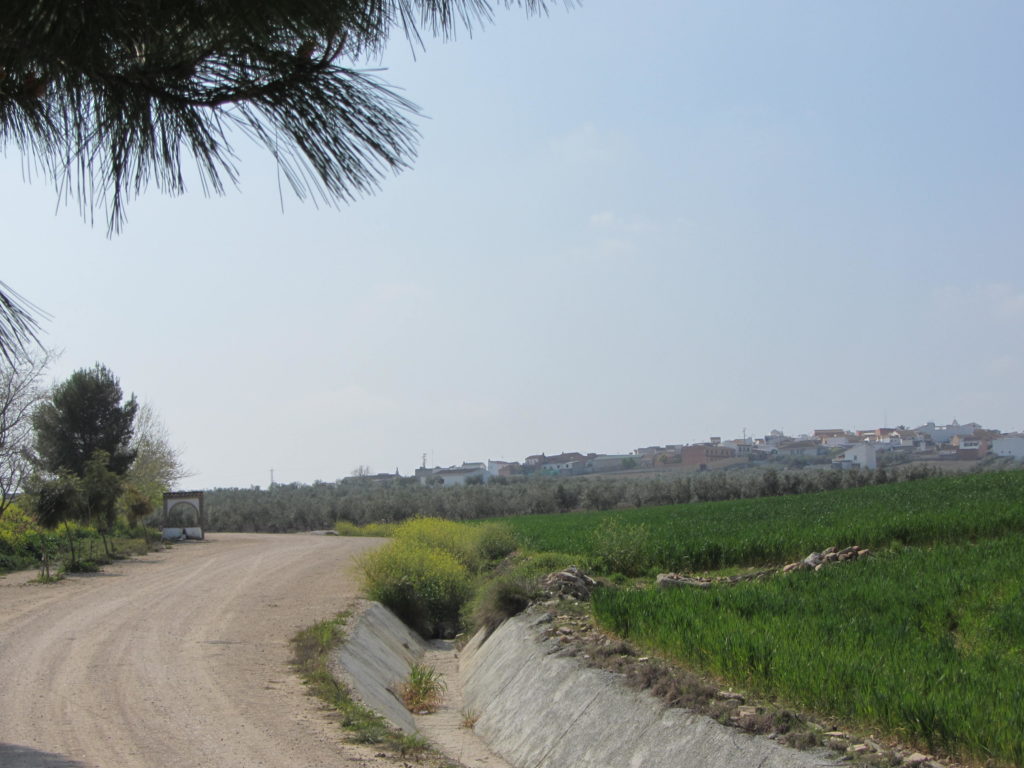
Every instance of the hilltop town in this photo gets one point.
(835, 448)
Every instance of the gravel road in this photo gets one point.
(179, 659)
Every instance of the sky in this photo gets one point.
(698, 218)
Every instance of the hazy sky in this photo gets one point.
(628, 224)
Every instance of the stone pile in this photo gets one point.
(818, 560)
(572, 582)
(670, 580)
(813, 562)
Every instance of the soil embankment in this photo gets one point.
(175, 660)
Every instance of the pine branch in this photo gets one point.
(112, 95)
(18, 325)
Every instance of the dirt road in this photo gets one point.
(179, 659)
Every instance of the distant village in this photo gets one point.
(835, 448)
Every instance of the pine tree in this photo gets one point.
(85, 415)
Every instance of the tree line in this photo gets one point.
(299, 506)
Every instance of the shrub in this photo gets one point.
(502, 598)
(494, 541)
(424, 587)
(348, 528)
(512, 587)
(423, 689)
(456, 539)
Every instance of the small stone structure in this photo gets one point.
(178, 507)
(818, 560)
(813, 562)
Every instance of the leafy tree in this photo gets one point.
(21, 391)
(56, 500)
(100, 489)
(157, 467)
(85, 414)
(566, 498)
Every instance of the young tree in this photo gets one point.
(85, 414)
(100, 488)
(56, 500)
(21, 390)
(156, 469)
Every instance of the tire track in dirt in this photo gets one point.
(176, 660)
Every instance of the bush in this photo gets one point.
(19, 540)
(424, 587)
(514, 585)
(494, 541)
(348, 528)
(458, 540)
(502, 598)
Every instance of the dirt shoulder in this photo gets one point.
(178, 659)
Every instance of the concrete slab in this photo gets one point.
(537, 710)
(374, 660)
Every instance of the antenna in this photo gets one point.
(424, 460)
(271, 478)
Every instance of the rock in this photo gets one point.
(670, 580)
(864, 553)
(859, 749)
(838, 744)
(743, 712)
(571, 582)
(915, 759)
(813, 559)
(730, 696)
(829, 551)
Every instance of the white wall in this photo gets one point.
(1009, 446)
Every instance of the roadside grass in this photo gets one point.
(926, 644)
(311, 649)
(383, 530)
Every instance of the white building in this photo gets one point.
(948, 432)
(859, 456)
(1012, 446)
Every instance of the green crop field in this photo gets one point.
(925, 643)
(775, 530)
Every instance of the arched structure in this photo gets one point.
(183, 515)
